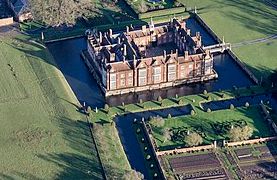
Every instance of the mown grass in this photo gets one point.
(204, 123)
(243, 20)
(42, 134)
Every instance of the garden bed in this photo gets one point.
(202, 165)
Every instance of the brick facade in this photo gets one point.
(149, 58)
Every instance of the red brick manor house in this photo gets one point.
(152, 57)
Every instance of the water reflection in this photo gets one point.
(67, 56)
(229, 75)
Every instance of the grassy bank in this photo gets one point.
(42, 134)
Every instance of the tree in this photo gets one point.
(157, 121)
(246, 132)
(60, 12)
(193, 139)
(167, 134)
(133, 175)
(142, 7)
(240, 133)
(234, 134)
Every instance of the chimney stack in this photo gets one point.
(188, 32)
(124, 50)
(186, 55)
(164, 53)
(127, 29)
(198, 35)
(110, 32)
(100, 37)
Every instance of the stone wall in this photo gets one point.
(6, 21)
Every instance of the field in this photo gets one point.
(211, 126)
(42, 133)
(240, 21)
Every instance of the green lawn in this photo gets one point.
(42, 135)
(205, 123)
(242, 20)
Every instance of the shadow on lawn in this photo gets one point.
(254, 17)
(83, 162)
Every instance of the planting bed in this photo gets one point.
(256, 162)
(205, 166)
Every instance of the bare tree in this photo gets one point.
(157, 121)
(193, 139)
(142, 7)
(133, 175)
(167, 134)
(60, 12)
(240, 133)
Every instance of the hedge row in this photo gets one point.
(162, 12)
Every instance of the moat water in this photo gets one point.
(67, 56)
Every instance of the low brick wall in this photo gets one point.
(6, 21)
(184, 150)
(252, 141)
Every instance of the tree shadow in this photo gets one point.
(81, 162)
(252, 15)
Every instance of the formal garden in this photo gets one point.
(202, 128)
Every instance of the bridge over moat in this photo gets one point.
(221, 47)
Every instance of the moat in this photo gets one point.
(67, 56)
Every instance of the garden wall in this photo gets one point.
(252, 141)
(184, 150)
(6, 21)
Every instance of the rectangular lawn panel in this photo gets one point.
(211, 126)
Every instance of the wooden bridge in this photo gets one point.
(218, 47)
